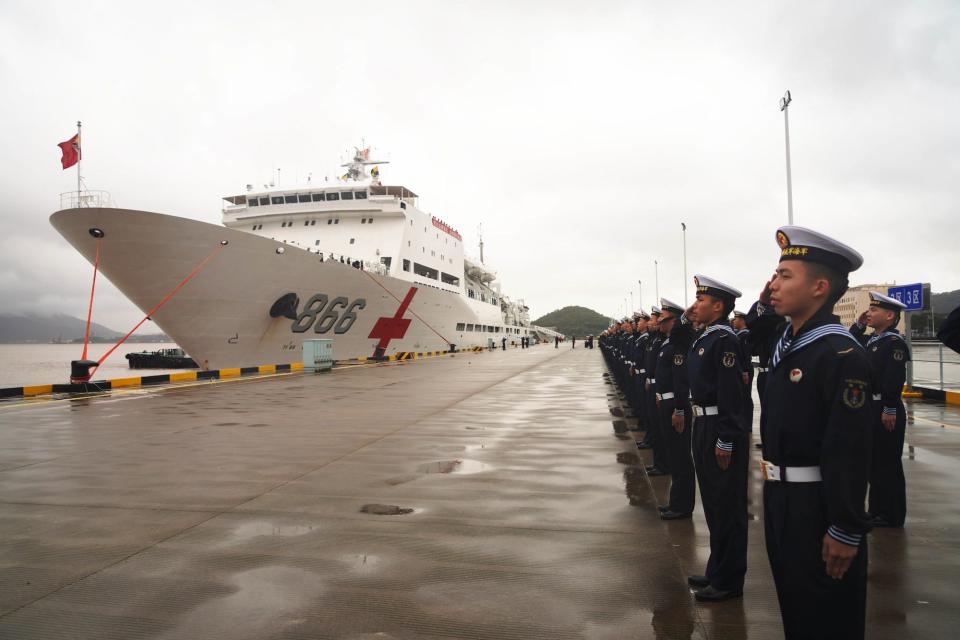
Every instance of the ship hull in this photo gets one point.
(222, 316)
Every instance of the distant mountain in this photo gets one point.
(945, 302)
(574, 321)
(33, 327)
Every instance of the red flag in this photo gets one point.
(71, 151)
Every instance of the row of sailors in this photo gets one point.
(831, 422)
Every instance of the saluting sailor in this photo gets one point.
(672, 402)
(888, 354)
(720, 440)
(661, 464)
(816, 424)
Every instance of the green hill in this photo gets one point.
(574, 321)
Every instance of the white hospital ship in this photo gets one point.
(353, 260)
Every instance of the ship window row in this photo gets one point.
(463, 326)
(295, 198)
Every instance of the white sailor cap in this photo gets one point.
(715, 288)
(669, 305)
(643, 315)
(739, 314)
(655, 310)
(800, 243)
(886, 302)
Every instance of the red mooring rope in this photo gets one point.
(169, 295)
(93, 287)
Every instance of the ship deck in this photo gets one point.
(234, 510)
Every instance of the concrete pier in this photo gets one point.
(473, 496)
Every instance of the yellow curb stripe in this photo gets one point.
(38, 389)
(267, 368)
(228, 373)
(296, 366)
(183, 377)
(124, 382)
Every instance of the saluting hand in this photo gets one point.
(765, 294)
(723, 458)
(837, 556)
(889, 421)
(862, 320)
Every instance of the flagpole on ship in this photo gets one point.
(79, 157)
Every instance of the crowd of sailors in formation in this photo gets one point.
(832, 424)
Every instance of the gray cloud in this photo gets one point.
(579, 135)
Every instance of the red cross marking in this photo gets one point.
(390, 328)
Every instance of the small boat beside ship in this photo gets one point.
(161, 359)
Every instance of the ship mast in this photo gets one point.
(356, 168)
(480, 234)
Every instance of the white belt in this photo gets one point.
(772, 473)
(643, 370)
(652, 381)
(762, 369)
(877, 396)
(665, 396)
(704, 411)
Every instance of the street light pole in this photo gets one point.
(656, 281)
(640, 292)
(784, 104)
(683, 226)
(632, 308)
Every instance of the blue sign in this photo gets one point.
(909, 294)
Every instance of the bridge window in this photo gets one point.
(446, 278)
(360, 195)
(469, 327)
(333, 196)
(460, 326)
(253, 202)
(264, 202)
(347, 195)
(290, 199)
(276, 199)
(318, 197)
(303, 197)
(425, 271)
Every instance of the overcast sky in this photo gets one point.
(580, 134)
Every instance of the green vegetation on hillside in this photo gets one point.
(574, 321)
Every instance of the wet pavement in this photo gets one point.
(476, 496)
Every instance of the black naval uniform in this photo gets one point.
(949, 333)
(717, 390)
(761, 345)
(637, 381)
(683, 480)
(746, 351)
(665, 402)
(888, 354)
(652, 350)
(817, 412)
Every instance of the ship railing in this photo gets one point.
(86, 199)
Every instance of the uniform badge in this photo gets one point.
(729, 359)
(795, 375)
(700, 353)
(898, 355)
(677, 360)
(874, 349)
(782, 240)
(854, 393)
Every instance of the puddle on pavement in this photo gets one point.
(454, 466)
(385, 510)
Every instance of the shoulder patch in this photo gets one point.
(854, 393)
(898, 355)
(729, 359)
